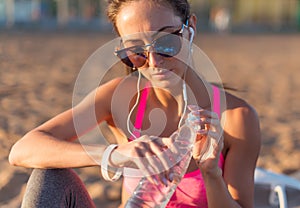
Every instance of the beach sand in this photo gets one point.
(38, 72)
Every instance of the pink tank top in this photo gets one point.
(191, 190)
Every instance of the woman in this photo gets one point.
(227, 176)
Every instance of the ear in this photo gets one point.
(193, 22)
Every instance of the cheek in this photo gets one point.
(179, 66)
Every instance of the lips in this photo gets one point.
(163, 75)
(163, 72)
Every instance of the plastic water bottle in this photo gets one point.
(208, 148)
(148, 194)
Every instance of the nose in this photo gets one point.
(154, 59)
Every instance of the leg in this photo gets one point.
(56, 188)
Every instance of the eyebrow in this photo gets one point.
(166, 27)
(153, 35)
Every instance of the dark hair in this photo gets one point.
(180, 7)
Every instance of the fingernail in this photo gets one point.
(165, 182)
(171, 176)
(201, 131)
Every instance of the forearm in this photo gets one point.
(217, 192)
(40, 150)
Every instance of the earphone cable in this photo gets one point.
(134, 106)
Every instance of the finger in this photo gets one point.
(215, 136)
(212, 150)
(193, 118)
(163, 158)
(151, 167)
(148, 169)
(150, 160)
(183, 141)
(198, 124)
(217, 147)
(194, 122)
(194, 108)
(152, 155)
(185, 138)
(211, 121)
(206, 113)
(212, 124)
(199, 121)
(173, 148)
(164, 142)
(154, 162)
(163, 154)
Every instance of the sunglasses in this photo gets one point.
(166, 46)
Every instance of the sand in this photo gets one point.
(38, 72)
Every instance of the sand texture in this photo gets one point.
(38, 72)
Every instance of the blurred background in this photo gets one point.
(214, 15)
(254, 45)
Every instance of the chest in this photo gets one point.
(155, 121)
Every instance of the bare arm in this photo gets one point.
(242, 139)
(52, 145)
(41, 148)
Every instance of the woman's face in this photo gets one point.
(135, 21)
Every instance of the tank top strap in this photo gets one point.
(143, 103)
(217, 109)
(141, 112)
(216, 101)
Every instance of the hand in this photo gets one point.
(154, 156)
(209, 140)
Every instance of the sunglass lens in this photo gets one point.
(136, 56)
(133, 57)
(124, 58)
(168, 45)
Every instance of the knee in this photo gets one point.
(43, 186)
(51, 172)
(54, 187)
(51, 177)
(59, 172)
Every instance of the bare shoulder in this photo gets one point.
(125, 82)
(121, 85)
(241, 125)
(115, 97)
(238, 110)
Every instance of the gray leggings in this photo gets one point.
(56, 188)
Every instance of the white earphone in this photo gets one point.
(184, 92)
(192, 34)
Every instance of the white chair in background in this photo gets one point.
(275, 190)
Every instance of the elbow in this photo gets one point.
(25, 152)
(14, 157)
(20, 153)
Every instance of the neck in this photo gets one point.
(170, 97)
(197, 89)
